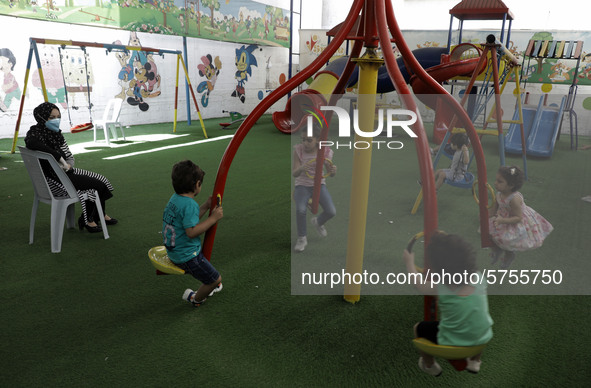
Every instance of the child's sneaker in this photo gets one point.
(301, 244)
(320, 228)
(473, 365)
(433, 370)
(217, 289)
(189, 296)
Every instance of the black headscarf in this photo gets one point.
(43, 139)
(43, 111)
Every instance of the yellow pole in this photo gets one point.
(418, 201)
(176, 91)
(32, 51)
(20, 113)
(193, 95)
(368, 78)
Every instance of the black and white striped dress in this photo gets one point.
(86, 182)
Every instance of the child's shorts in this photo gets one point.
(449, 175)
(201, 269)
(428, 330)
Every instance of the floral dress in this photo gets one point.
(529, 233)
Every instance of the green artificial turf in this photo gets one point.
(97, 315)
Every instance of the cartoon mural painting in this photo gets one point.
(138, 76)
(585, 71)
(78, 75)
(239, 21)
(210, 69)
(244, 62)
(52, 75)
(10, 89)
(559, 72)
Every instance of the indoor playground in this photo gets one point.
(237, 87)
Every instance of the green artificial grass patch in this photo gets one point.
(97, 315)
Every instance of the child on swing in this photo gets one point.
(459, 164)
(514, 226)
(303, 169)
(464, 319)
(181, 229)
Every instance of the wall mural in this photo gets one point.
(536, 70)
(52, 75)
(240, 21)
(138, 78)
(244, 62)
(10, 88)
(210, 69)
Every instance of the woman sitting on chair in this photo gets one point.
(46, 136)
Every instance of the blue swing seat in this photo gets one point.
(465, 183)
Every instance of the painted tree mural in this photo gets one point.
(213, 5)
(544, 35)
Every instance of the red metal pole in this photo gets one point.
(421, 143)
(474, 139)
(278, 93)
(498, 111)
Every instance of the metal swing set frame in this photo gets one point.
(33, 50)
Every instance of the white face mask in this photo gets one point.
(53, 125)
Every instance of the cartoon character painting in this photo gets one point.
(559, 72)
(78, 75)
(210, 69)
(244, 62)
(585, 71)
(10, 88)
(138, 76)
(52, 75)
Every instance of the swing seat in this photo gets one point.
(160, 261)
(445, 351)
(456, 355)
(81, 127)
(465, 183)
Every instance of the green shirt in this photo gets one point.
(465, 320)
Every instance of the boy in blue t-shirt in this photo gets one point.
(181, 230)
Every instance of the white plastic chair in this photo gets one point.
(110, 121)
(63, 207)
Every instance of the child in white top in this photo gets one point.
(304, 168)
(459, 164)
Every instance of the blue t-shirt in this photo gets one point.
(180, 213)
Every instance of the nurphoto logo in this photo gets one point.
(344, 122)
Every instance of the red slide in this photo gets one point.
(452, 66)
(441, 73)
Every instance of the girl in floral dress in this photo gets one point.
(514, 226)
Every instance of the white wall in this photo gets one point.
(105, 68)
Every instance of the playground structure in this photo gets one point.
(319, 91)
(376, 27)
(541, 128)
(109, 47)
(235, 117)
(84, 126)
(488, 55)
(542, 122)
